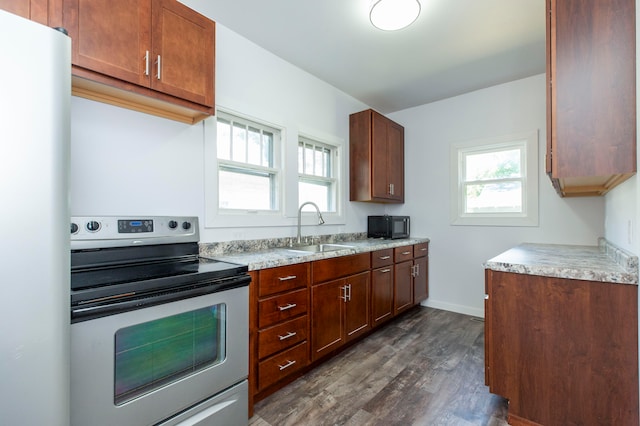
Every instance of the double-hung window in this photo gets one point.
(495, 181)
(317, 174)
(249, 171)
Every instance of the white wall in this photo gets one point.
(129, 163)
(457, 252)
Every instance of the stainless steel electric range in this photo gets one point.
(159, 335)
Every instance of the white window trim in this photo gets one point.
(529, 215)
(330, 218)
(288, 151)
(332, 180)
(230, 218)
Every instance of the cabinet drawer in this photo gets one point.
(282, 365)
(282, 336)
(282, 307)
(403, 253)
(381, 258)
(330, 269)
(284, 278)
(420, 250)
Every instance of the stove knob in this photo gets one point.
(173, 224)
(93, 226)
(74, 228)
(186, 225)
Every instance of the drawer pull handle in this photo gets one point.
(384, 271)
(287, 365)
(288, 306)
(423, 249)
(385, 257)
(290, 277)
(288, 335)
(404, 253)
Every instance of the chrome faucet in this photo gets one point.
(320, 219)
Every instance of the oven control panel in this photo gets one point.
(117, 231)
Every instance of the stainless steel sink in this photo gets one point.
(320, 248)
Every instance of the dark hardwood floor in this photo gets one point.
(425, 368)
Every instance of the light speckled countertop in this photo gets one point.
(604, 262)
(259, 255)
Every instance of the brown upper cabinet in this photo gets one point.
(155, 56)
(591, 99)
(42, 11)
(376, 158)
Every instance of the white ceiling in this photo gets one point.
(454, 47)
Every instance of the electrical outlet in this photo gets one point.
(630, 231)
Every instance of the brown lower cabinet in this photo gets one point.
(301, 314)
(340, 306)
(381, 286)
(339, 313)
(279, 325)
(562, 351)
(411, 276)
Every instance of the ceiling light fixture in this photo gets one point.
(391, 15)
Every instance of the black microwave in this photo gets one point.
(389, 227)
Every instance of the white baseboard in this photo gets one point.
(461, 309)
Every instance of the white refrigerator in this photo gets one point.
(35, 96)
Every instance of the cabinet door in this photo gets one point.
(379, 157)
(591, 115)
(387, 166)
(420, 279)
(327, 323)
(20, 8)
(403, 294)
(357, 318)
(36, 10)
(395, 160)
(183, 52)
(111, 38)
(381, 295)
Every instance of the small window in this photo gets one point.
(248, 166)
(317, 177)
(495, 182)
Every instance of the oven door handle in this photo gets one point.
(88, 311)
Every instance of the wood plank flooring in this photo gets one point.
(425, 368)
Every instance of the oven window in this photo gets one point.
(155, 353)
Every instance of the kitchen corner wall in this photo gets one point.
(622, 208)
(623, 202)
(129, 163)
(456, 276)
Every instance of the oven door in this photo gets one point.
(145, 366)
